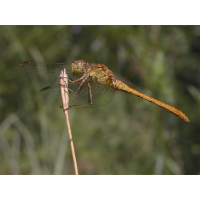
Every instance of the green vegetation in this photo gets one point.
(127, 136)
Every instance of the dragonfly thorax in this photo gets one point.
(78, 67)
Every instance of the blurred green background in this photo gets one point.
(127, 136)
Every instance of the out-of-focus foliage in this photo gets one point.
(127, 136)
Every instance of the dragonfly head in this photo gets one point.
(77, 68)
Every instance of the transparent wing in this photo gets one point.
(39, 75)
(101, 94)
(43, 77)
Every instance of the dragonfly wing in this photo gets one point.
(101, 94)
(43, 78)
(51, 96)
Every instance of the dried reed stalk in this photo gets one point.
(65, 101)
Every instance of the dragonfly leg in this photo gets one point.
(71, 90)
(83, 78)
(89, 98)
(76, 81)
(89, 94)
(79, 88)
(69, 79)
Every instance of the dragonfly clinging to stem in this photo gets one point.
(94, 86)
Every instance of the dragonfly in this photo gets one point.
(94, 84)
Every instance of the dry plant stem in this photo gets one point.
(65, 101)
